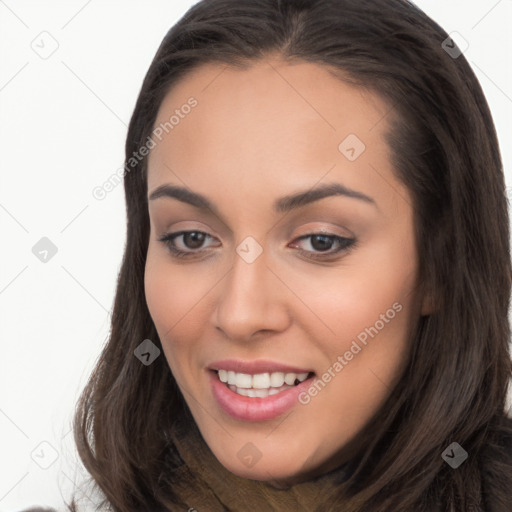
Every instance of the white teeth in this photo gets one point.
(260, 381)
(243, 380)
(289, 378)
(246, 392)
(277, 379)
(257, 393)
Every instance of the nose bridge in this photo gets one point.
(249, 301)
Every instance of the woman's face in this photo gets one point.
(282, 277)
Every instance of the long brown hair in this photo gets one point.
(445, 150)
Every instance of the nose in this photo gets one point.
(251, 300)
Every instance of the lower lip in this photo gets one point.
(255, 409)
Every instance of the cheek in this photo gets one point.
(367, 305)
(342, 302)
(176, 301)
(171, 292)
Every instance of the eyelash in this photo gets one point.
(346, 245)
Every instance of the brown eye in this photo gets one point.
(191, 243)
(193, 239)
(321, 242)
(321, 245)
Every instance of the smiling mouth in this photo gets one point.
(260, 385)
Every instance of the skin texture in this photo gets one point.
(257, 135)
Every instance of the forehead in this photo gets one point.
(273, 122)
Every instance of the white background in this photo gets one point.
(63, 125)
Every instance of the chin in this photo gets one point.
(265, 471)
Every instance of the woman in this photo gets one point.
(311, 312)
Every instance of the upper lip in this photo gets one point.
(255, 367)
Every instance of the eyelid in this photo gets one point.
(171, 236)
(346, 244)
(322, 230)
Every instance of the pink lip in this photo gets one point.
(254, 367)
(255, 409)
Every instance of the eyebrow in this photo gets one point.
(282, 205)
